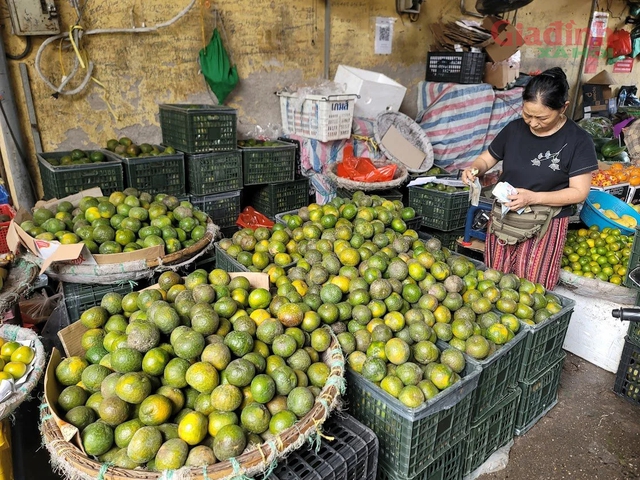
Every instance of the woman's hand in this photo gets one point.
(469, 175)
(521, 199)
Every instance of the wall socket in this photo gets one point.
(34, 17)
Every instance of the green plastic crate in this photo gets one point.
(499, 375)
(440, 210)
(280, 197)
(448, 239)
(539, 396)
(198, 128)
(448, 466)
(209, 173)
(494, 430)
(262, 165)
(226, 262)
(544, 341)
(628, 376)
(62, 181)
(159, 174)
(412, 438)
(79, 297)
(223, 208)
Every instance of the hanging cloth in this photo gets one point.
(216, 67)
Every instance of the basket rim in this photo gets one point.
(253, 461)
(400, 118)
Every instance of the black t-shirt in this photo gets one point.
(543, 164)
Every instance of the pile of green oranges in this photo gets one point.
(594, 253)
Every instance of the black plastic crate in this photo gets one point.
(456, 67)
(634, 333)
(223, 208)
(544, 341)
(159, 174)
(412, 438)
(628, 376)
(214, 172)
(539, 396)
(79, 297)
(199, 128)
(64, 180)
(448, 466)
(494, 430)
(226, 262)
(350, 455)
(280, 197)
(440, 210)
(499, 375)
(271, 164)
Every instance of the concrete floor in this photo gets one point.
(591, 434)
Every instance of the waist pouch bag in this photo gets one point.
(514, 228)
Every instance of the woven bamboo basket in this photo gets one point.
(19, 282)
(410, 130)
(135, 270)
(11, 333)
(398, 179)
(72, 464)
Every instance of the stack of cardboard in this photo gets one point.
(597, 96)
(503, 52)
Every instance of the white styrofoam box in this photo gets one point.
(593, 334)
(378, 92)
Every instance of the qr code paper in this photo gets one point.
(384, 35)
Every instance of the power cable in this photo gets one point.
(27, 50)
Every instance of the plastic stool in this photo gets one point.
(469, 232)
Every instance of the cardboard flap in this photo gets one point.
(506, 38)
(603, 78)
(402, 149)
(71, 339)
(56, 252)
(74, 199)
(51, 393)
(142, 254)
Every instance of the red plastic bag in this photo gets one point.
(362, 169)
(251, 218)
(619, 44)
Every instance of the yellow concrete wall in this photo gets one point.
(274, 44)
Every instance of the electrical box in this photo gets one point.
(34, 17)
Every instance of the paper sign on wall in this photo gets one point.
(384, 35)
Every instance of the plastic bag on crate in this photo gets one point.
(251, 218)
(39, 307)
(362, 169)
(58, 320)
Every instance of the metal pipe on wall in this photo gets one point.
(14, 150)
(327, 38)
(583, 59)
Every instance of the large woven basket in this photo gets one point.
(135, 270)
(69, 460)
(398, 179)
(410, 130)
(11, 333)
(19, 282)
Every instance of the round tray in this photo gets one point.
(134, 270)
(398, 179)
(13, 332)
(410, 130)
(19, 282)
(68, 458)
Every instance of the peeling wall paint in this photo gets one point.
(275, 44)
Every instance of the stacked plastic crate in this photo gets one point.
(206, 134)
(542, 363)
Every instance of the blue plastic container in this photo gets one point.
(590, 215)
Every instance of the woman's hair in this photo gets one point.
(550, 88)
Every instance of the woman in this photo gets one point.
(549, 160)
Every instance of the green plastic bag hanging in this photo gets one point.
(216, 67)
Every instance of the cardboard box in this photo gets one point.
(500, 75)
(605, 109)
(71, 339)
(597, 91)
(506, 39)
(54, 251)
(621, 190)
(378, 93)
(402, 149)
(633, 197)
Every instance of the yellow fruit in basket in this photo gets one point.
(610, 214)
(2, 342)
(23, 354)
(8, 348)
(15, 369)
(5, 376)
